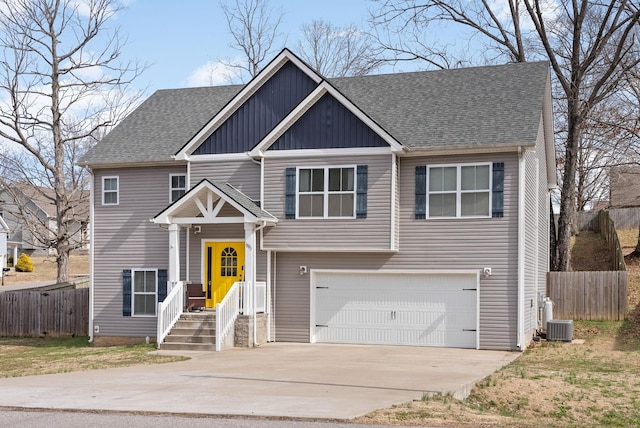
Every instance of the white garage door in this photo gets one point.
(417, 309)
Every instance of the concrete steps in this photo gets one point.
(194, 331)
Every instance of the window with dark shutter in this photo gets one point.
(497, 201)
(162, 285)
(361, 191)
(290, 194)
(126, 293)
(421, 192)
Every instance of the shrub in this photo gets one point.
(10, 261)
(24, 264)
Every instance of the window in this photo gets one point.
(144, 292)
(459, 190)
(229, 262)
(326, 192)
(177, 186)
(110, 187)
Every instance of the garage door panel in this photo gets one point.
(406, 309)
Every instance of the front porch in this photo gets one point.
(240, 320)
(227, 266)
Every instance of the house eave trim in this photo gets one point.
(329, 250)
(511, 148)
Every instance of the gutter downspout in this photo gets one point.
(521, 246)
(255, 253)
(92, 245)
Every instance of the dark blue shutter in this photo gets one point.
(497, 197)
(126, 293)
(421, 192)
(290, 194)
(162, 285)
(361, 191)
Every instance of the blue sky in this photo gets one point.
(176, 38)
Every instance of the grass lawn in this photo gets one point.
(35, 356)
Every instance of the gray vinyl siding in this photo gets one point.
(124, 238)
(372, 233)
(536, 233)
(530, 244)
(424, 245)
(244, 175)
(219, 232)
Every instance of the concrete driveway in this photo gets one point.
(277, 379)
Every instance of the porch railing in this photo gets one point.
(226, 313)
(169, 311)
(250, 296)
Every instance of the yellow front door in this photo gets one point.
(223, 265)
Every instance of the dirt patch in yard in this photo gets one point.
(46, 269)
(589, 252)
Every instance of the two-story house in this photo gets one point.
(407, 209)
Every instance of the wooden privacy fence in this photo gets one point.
(597, 295)
(588, 295)
(44, 313)
(608, 232)
(624, 218)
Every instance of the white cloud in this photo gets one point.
(214, 73)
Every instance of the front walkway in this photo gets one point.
(278, 380)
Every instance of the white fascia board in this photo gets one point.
(329, 250)
(306, 104)
(246, 92)
(222, 157)
(356, 151)
(420, 152)
(471, 272)
(166, 217)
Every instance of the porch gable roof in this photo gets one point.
(203, 204)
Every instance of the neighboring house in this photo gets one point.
(407, 209)
(624, 186)
(26, 234)
(4, 233)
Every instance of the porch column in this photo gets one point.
(173, 275)
(250, 261)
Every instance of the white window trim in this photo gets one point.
(133, 293)
(326, 192)
(171, 188)
(459, 190)
(117, 191)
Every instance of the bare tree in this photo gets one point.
(255, 31)
(410, 30)
(337, 51)
(61, 87)
(591, 48)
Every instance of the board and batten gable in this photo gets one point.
(424, 244)
(372, 233)
(124, 238)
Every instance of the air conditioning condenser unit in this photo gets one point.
(560, 330)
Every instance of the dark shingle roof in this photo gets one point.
(461, 108)
(448, 109)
